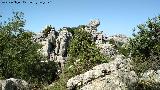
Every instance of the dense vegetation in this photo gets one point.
(145, 46)
(83, 55)
(19, 55)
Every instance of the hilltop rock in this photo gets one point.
(98, 37)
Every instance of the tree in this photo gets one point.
(19, 55)
(83, 55)
(83, 48)
(47, 30)
(145, 46)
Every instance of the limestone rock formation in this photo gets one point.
(94, 23)
(2, 84)
(150, 76)
(54, 44)
(98, 37)
(62, 42)
(107, 49)
(119, 39)
(14, 84)
(115, 75)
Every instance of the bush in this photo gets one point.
(83, 55)
(145, 46)
(82, 48)
(20, 56)
(121, 47)
(47, 30)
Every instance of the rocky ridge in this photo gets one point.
(118, 74)
(115, 75)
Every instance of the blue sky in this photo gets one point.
(116, 16)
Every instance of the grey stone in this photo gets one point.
(115, 75)
(119, 39)
(14, 84)
(150, 76)
(107, 49)
(97, 37)
(55, 44)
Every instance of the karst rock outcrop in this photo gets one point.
(115, 75)
(13, 84)
(55, 44)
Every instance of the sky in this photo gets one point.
(116, 16)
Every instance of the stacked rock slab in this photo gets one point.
(107, 49)
(119, 39)
(98, 37)
(54, 45)
(62, 43)
(115, 75)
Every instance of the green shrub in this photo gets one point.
(121, 47)
(145, 46)
(83, 48)
(20, 56)
(47, 30)
(83, 55)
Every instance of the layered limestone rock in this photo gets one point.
(150, 76)
(149, 80)
(13, 84)
(54, 44)
(62, 42)
(98, 37)
(119, 39)
(107, 49)
(115, 75)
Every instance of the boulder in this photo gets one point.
(107, 49)
(151, 76)
(119, 39)
(115, 75)
(14, 84)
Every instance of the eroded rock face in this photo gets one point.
(54, 45)
(98, 37)
(94, 23)
(115, 75)
(107, 49)
(14, 84)
(62, 42)
(150, 76)
(119, 39)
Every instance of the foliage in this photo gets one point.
(20, 56)
(72, 29)
(145, 46)
(83, 48)
(83, 55)
(121, 47)
(47, 30)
